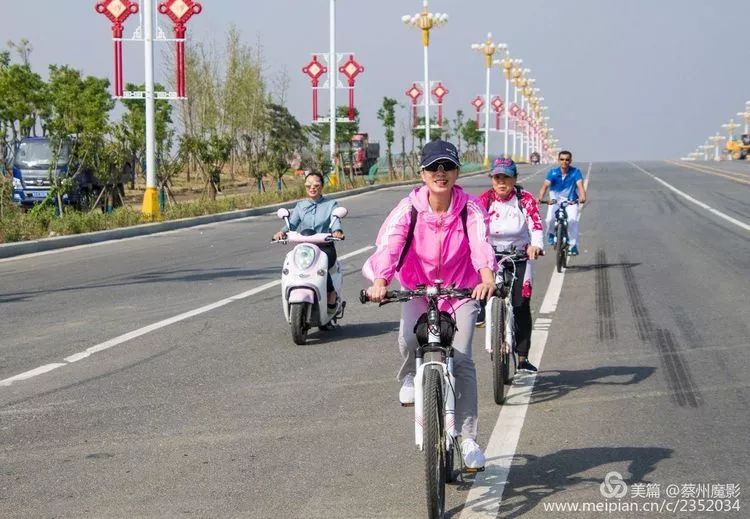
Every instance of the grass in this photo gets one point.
(17, 225)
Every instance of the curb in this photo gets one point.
(10, 250)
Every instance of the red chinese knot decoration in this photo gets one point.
(439, 92)
(477, 103)
(180, 11)
(315, 70)
(414, 93)
(351, 69)
(117, 11)
(497, 106)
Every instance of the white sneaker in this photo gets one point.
(406, 395)
(473, 455)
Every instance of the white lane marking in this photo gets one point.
(486, 492)
(153, 327)
(552, 296)
(31, 373)
(689, 198)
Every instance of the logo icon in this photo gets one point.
(613, 486)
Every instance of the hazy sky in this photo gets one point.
(623, 79)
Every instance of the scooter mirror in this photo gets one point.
(282, 213)
(340, 212)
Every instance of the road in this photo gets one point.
(133, 383)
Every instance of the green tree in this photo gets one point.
(387, 115)
(472, 135)
(131, 130)
(211, 153)
(457, 125)
(79, 114)
(436, 132)
(285, 138)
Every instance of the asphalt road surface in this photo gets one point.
(133, 383)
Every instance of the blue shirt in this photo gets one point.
(315, 215)
(564, 187)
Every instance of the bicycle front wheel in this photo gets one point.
(562, 248)
(434, 442)
(499, 361)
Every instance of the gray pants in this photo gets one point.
(463, 364)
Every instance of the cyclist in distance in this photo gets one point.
(515, 223)
(314, 214)
(442, 232)
(564, 182)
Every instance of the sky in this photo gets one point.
(623, 79)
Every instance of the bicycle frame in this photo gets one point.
(507, 300)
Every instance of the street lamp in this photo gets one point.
(716, 139)
(507, 65)
(745, 115)
(488, 49)
(705, 148)
(730, 127)
(426, 21)
(516, 74)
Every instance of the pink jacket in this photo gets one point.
(439, 248)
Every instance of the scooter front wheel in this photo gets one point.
(299, 323)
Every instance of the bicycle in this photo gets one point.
(561, 231)
(500, 335)
(434, 389)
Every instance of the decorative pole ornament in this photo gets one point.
(117, 11)
(180, 11)
(497, 106)
(477, 103)
(439, 92)
(414, 93)
(315, 70)
(351, 69)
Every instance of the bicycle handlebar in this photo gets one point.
(395, 296)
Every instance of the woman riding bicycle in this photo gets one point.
(314, 215)
(515, 224)
(448, 241)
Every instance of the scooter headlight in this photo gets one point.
(304, 255)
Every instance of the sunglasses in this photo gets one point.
(445, 165)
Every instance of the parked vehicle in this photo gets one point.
(366, 153)
(33, 171)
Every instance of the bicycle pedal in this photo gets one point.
(467, 470)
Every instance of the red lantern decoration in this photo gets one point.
(351, 69)
(478, 103)
(315, 70)
(414, 94)
(180, 11)
(117, 11)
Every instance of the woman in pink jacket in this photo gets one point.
(449, 243)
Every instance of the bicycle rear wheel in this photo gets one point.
(499, 361)
(434, 443)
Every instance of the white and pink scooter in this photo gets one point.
(304, 294)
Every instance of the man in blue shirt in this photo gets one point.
(564, 183)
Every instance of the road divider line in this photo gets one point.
(689, 198)
(153, 327)
(712, 171)
(486, 493)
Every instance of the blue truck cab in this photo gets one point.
(32, 164)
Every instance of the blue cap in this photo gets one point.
(439, 150)
(503, 166)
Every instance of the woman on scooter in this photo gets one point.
(515, 222)
(314, 214)
(448, 241)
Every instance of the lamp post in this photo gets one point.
(507, 65)
(516, 73)
(488, 49)
(746, 116)
(716, 139)
(425, 21)
(705, 149)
